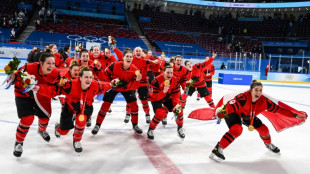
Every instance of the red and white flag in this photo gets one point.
(279, 121)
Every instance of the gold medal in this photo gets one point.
(171, 64)
(95, 62)
(137, 72)
(251, 128)
(167, 82)
(61, 81)
(81, 117)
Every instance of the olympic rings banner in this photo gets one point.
(288, 77)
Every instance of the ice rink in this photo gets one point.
(116, 149)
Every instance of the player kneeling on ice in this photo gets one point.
(165, 97)
(78, 105)
(244, 108)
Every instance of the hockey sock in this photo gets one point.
(233, 133)
(103, 112)
(23, 128)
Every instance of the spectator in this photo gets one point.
(54, 15)
(4, 23)
(267, 69)
(13, 37)
(128, 5)
(21, 14)
(48, 13)
(37, 22)
(223, 66)
(31, 55)
(67, 51)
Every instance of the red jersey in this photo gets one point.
(66, 73)
(161, 65)
(47, 81)
(141, 63)
(182, 75)
(197, 73)
(74, 93)
(157, 88)
(243, 106)
(209, 72)
(59, 61)
(107, 61)
(127, 77)
(68, 61)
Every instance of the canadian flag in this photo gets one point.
(279, 121)
(44, 97)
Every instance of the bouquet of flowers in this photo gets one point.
(116, 83)
(28, 80)
(189, 84)
(111, 41)
(9, 69)
(177, 110)
(78, 48)
(221, 113)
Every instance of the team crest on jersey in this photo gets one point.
(66, 86)
(232, 102)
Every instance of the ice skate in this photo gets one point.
(18, 149)
(217, 154)
(44, 135)
(88, 124)
(96, 129)
(273, 148)
(137, 129)
(148, 118)
(150, 134)
(127, 117)
(77, 146)
(181, 133)
(110, 110)
(164, 122)
(57, 134)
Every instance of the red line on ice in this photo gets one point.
(157, 157)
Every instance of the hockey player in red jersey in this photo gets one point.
(165, 97)
(126, 78)
(181, 73)
(142, 64)
(78, 106)
(243, 109)
(208, 72)
(29, 103)
(72, 72)
(196, 81)
(108, 58)
(59, 61)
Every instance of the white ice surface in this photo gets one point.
(116, 150)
